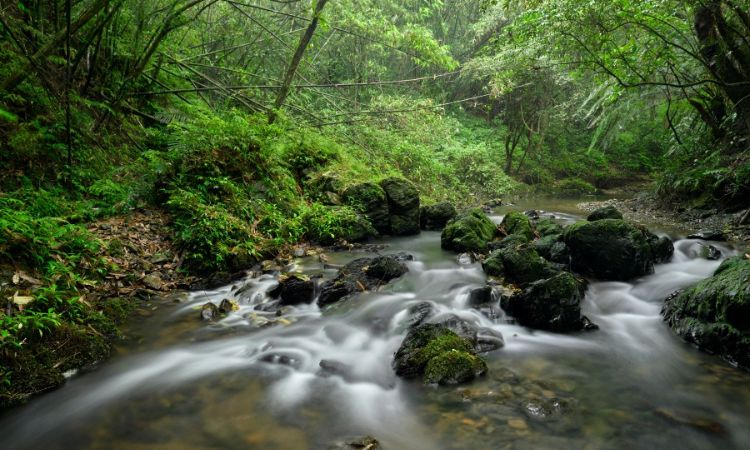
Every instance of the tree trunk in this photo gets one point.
(297, 58)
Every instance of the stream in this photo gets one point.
(254, 379)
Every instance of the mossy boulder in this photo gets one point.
(469, 232)
(518, 223)
(454, 367)
(435, 217)
(370, 200)
(332, 223)
(512, 241)
(715, 313)
(403, 206)
(325, 189)
(553, 304)
(662, 248)
(548, 227)
(606, 212)
(361, 274)
(519, 265)
(424, 352)
(610, 249)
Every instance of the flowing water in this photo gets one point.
(254, 379)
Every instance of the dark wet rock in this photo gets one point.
(419, 313)
(403, 206)
(518, 223)
(454, 367)
(548, 227)
(463, 328)
(520, 265)
(386, 268)
(465, 259)
(370, 200)
(360, 275)
(532, 214)
(217, 280)
(435, 217)
(691, 419)
(329, 367)
(481, 296)
(710, 252)
(402, 257)
(228, 306)
(296, 289)
(553, 304)
(209, 312)
(709, 235)
(359, 443)
(611, 249)
(489, 340)
(662, 248)
(512, 241)
(281, 359)
(715, 313)
(469, 232)
(607, 212)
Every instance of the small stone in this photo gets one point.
(518, 424)
(209, 311)
(709, 235)
(153, 281)
(226, 306)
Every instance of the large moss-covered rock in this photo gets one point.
(438, 354)
(518, 223)
(370, 200)
(403, 206)
(715, 313)
(553, 304)
(519, 265)
(361, 274)
(606, 212)
(335, 223)
(548, 227)
(435, 217)
(325, 189)
(610, 249)
(469, 232)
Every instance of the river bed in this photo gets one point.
(254, 379)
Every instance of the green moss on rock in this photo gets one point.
(519, 265)
(715, 313)
(469, 232)
(609, 249)
(370, 200)
(454, 367)
(517, 223)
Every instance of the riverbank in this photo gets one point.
(645, 209)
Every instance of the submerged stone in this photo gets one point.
(296, 289)
(209, 312)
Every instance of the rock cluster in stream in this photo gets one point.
(541, 262)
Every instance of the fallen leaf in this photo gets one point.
(22, 300)
(16, 278)
(361, 286)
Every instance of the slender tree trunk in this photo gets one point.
(297, 58)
